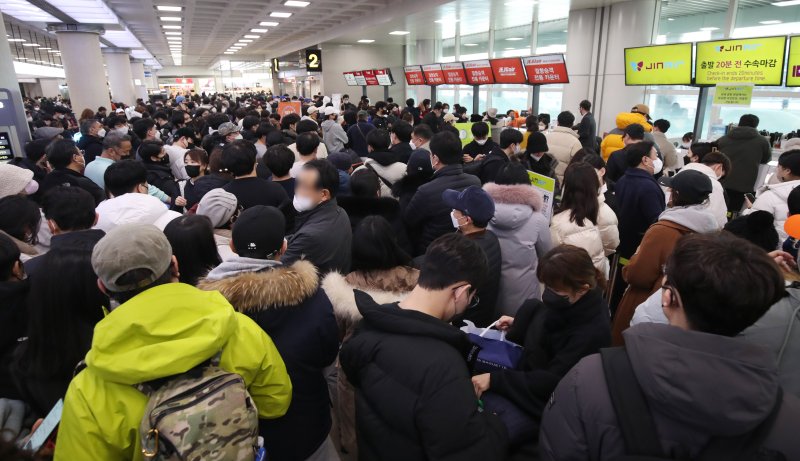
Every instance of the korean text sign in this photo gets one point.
(544, 69)
(350, 79)
(479, 72)
(508, 70)
(659, 65)
(750, 60)
(433, 74)
(454, 73)
(793, 68)
(370, 78)
(414, 75)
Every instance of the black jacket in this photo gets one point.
(484, 313)
(67, 177)
(617, 165)
(554, 340)
(322, 236)
(747, 149)
(473, 149)
(202, 186)
(256, 191)
(587, 132)
(161, 176)
(414, 397)
(82, 240)
(433, 121)
(92, 147)
(488, 168)
(287, 303)
(402, 150)
(14, 321)
(427, 217)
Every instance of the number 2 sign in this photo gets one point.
(314, 60)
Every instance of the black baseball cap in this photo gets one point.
(258, 232)
(693, 186)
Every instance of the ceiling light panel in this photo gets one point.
(399, 32)
(24, 11)
(87, 11)
(280, 14)
(252, 36)
(122, 39)
(268, 24)
(296, 3)
(172, 33)
(170, 26)
(259, 31)
(245, 41)
(365, 41)
(171, 18)
(169, 8)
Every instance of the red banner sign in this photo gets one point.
(414, 75)
(369, 76)
(384, 77)
(433, 74)
(508, 70)
(360, 80)
(454, 73)
(478, 72)
(548, 68)
(184, 81)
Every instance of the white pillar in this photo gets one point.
(139, 82)
(49, 87)
(83, 64)
(424, 53)
(630, 24)
(8, 80)
(582, 42)
(120, 78)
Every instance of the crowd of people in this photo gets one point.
(200, 274)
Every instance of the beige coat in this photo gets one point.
(563, 143)
(599, 240)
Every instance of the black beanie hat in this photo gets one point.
(758, 228)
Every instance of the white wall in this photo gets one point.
(184, 71)
(337, 59)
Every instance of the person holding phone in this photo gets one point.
(773, 197)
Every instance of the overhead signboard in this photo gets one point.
(384, 77)
(508, 70)
(350, 79)
(370, 78)
(479, 72)
(659, 65)
(414, 75)
(749, 60)
(433, 74)
(314, 60)
(360, 80)
(793, 68)
(545, 69)
(454, 73)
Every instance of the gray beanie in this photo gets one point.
(219, 206)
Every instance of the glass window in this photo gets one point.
(446, 93)
(447, 50)
(552, 37)
(474, 46)
(550, 100)
(692, 22)
(507, 97)
(678, 104)
(513, 41)
(465, 94)
(767, 20)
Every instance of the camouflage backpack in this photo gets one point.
(203, 414)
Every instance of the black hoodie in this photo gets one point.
(414, 396)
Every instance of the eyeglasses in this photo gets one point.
(474, 303)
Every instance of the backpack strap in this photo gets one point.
(633, 414)
(744, 447)
(383, 180)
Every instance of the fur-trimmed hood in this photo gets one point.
(280, 286)
(341, 295)
(515, 195)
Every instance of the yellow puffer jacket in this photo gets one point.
(166, 330)
(613, 142)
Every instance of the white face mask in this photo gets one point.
(658, 164)
(411, 143)
(239, 136)
(481, 141)
(517, 149)
(302, 204)
(101, 133)
(444, 111)
(454, 219)
(542, 127)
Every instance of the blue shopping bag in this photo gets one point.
(496, 352)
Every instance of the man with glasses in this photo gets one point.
(410, 367)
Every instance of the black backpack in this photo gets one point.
(639, 431)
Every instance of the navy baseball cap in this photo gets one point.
(472, 201)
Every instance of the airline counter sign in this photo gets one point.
(752, 60)
(659, 65)
(793, 73)
(545, 69)
(433, 74)
(454, 73)
(360, 80)
(370, 78)
(414, 75)
(350, 79)
(479, 72)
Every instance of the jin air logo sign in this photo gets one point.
(740, 47)
(659, 65)
(642, 65)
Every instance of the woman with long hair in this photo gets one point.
(196, 166)
(193, 245)
(383, 270)
(20, 219)
(63, 308)
(569, 323)
(582, 219)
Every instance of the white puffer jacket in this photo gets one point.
(599, 240)
(562, 143)
(772, 198)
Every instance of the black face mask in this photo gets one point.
(555, 300)
(192, 171)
